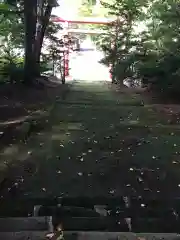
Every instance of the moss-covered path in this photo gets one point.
(96, 142)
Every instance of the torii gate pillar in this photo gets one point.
(66, 55)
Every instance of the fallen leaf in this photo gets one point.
(80, 173)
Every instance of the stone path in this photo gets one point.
(98, 143)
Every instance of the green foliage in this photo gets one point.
(120, 40)
(160, 63)
(11, 37)
(11, 25)
(13, 34)
(85, 9)
(11, 67)
(151, 53)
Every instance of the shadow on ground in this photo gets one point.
(96, 143)
(20, 105)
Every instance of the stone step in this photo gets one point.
(119, 236)
(88, 224)
(98, 102)
(22, 235)
(120, 224)
(73, 206)
(24, 224)
(41, 235)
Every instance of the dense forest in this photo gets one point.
(143, 44)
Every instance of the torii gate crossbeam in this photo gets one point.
(84, 20)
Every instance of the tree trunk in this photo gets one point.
(30, 18)
(40, 36)
(115, 49)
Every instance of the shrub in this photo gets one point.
(11, 71)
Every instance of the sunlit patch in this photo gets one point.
(11, 122)
(133, 122)
(59, 136)
(11, 150)
(68, 126)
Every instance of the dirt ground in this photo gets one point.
(19, 104)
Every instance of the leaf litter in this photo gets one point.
(114, 157)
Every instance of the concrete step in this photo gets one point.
(41, 235)
(22, 235)
(24, 224)
(120, 236)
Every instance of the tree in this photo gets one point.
(11, 25)
(12, 41)
(36, 15)
(45, 9)
(23, 25)
(159, 65)
(150, 53)
(119, 40)
(30, 20)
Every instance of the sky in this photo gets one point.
(67, 8)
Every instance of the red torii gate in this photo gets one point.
(84, 20)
